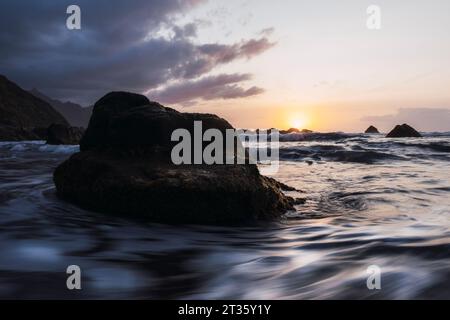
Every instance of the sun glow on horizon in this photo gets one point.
(298, 121)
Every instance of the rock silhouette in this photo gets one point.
(403, 131)
(371, 129)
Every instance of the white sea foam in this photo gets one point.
(41, 146)
(59, 148)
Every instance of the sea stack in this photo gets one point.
(124, 167)
(372, 129)
(403, 131)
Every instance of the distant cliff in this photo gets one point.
(77, 115)
(21, 109)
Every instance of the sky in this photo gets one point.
(257, 63)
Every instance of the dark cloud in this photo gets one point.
(118, 48)
(423, 119)
(208, 56)
(224, 86)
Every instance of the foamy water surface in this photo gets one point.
(369, 201)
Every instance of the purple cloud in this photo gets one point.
(224, 86)
(118, 48)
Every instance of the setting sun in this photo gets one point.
(298, 121)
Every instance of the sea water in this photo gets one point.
(369, 201)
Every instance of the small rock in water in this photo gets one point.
(403, 131)
(371, 129)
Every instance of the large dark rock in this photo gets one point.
(125, 121)
(160, 192)
(124, 168)
(403, 131)
(372, 129)
(21, 113)
(60, 134)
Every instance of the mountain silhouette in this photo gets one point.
(77, 115)
(21, 109)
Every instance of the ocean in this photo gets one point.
(370, 201)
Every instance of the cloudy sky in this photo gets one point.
(259, 63)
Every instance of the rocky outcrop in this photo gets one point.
(60, 134)
(403, 131)
(371, 129)
(22, 115)
(124, 168)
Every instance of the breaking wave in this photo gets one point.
(360, 148)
